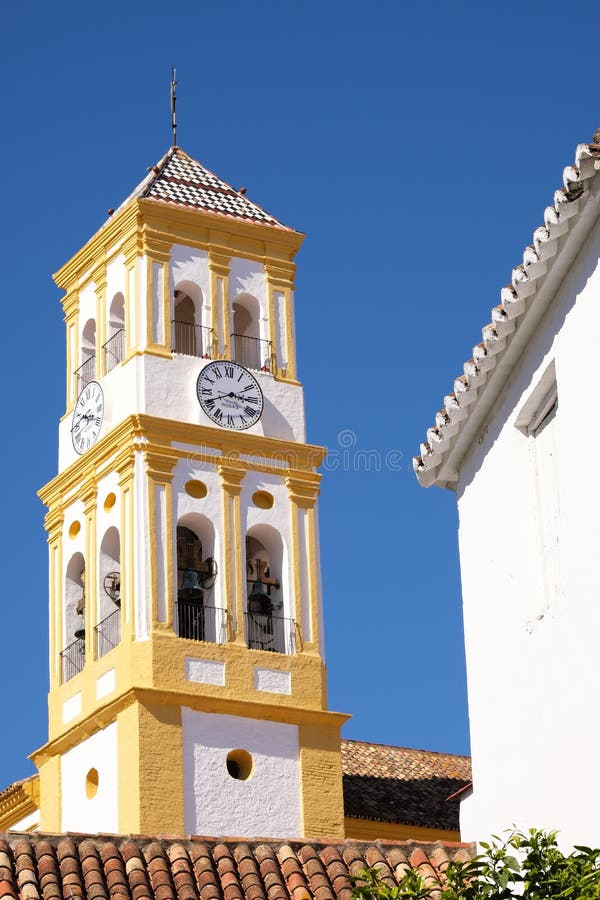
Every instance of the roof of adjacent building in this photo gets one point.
(399, 784)
(59, 867)
(545, 261)
(182, 181)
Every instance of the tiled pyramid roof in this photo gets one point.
(398, 784)
(182, 181)
(71, 867)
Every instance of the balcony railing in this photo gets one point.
(84, 374)
(108, 633)
(191, 340)
(72, 659)
(268, 632)
(201, 623)
(251, 352)
(114, 350)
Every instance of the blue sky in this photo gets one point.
(417, 146)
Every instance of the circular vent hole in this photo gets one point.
(196, 489)
(91, 783)
(263, 499)
(110, 501)
(239, 764)
(74, 529)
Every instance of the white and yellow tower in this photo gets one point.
(187, 682)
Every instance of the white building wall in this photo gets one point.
(99, 813)
(267, 803)
(532, 657)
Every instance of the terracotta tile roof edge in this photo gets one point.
(405, 749)
(516, 299)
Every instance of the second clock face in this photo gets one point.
(87, 417)
(229, 395)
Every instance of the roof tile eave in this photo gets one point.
(431, 466)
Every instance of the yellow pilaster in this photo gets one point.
(50, 794)
(99, 279)
(232, 476)
(219, 303)
(54, 526)
(88, 495)
(159, 471)
(303, 492)
(280, 277)
(158, 254)
(321, 780)
(71, 309)
(131, 252)
(150, 769)
(125, 468)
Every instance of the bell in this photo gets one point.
(259, 600)
(79, 633)
(191, 589)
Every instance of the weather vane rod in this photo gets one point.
(173, 103)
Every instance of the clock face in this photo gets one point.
(87, 417)
(229, 395)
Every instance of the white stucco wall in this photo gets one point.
(100, 813)
(267, 803)
(532, 653)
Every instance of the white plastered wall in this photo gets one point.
(266, 804)
(532, 656)
(189, 264)
(246, 276)
(80, 812)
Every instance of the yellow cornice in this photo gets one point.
(203, 703)
(150, 434)
(19, 800)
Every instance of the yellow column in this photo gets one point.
(280, 277)
(303, 490)
(131, 252)
(99, 279)
(232, 476)
(158, 256)
(125, 468)
(71, 308)
(54, 522)
(159, 471)
(218, 265)
(89, 495)
(321, 780)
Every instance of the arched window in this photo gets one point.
(108, 629)
(189, 336)
(198, 619)
(87, 368)
(246, 345)
(267, 627)
(73, 654)
(114, 348)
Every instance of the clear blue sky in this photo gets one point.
(417, 145)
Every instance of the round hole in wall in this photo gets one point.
(91, 783)
(263, 499)
(74, 528)
(110, 501)
(196, 489)
(240, 764)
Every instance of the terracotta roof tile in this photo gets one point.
(96, 868)
(398, 784)
(179, 180)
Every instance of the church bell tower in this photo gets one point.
(187, 681)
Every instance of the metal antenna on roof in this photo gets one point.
(173, 102)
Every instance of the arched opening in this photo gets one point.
(198, 618)
(114, 348)
(87, 368)
(189, 335)
(108, 629)
(267, 627)
(73, 654)
(246, 345)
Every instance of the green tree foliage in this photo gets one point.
(524, 866)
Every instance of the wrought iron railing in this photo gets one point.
(84, 374)
(268, 632)
(114, 350)
(251, 352)
(197, 622)
(72, 659)
(108, 633)
(191, 340)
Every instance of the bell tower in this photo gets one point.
(187, 681)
